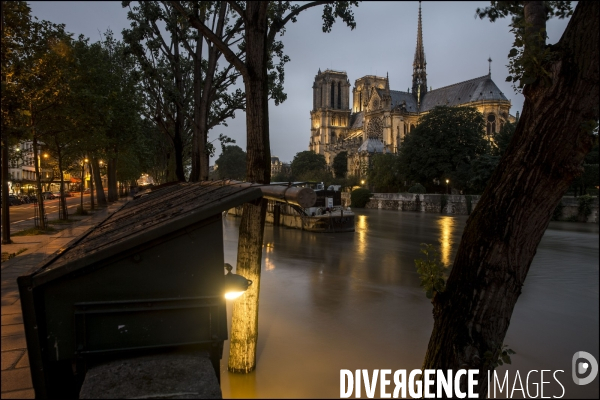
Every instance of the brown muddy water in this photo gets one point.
(352, 301)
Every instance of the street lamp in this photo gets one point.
(235, 285)
(447, 187)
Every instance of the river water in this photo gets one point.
(352, 301)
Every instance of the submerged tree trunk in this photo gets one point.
(244, 325)
(98, 179)
(500, 240)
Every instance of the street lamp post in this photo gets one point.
(447, 186)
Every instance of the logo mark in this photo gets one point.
(590, 364)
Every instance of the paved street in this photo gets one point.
(16, 378)
(21, 217)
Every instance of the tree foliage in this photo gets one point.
(308, 163)
(384, 174)
(444, 145)
(231, 164)
(360, 197)
(340, 164)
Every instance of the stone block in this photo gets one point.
(162, 376)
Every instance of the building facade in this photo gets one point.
(378, 118)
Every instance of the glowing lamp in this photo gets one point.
(235, 285)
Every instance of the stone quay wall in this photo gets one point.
(456, 204)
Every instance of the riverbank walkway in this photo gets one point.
(16, 377)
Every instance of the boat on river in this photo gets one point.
(326, 215)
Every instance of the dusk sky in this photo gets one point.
(457, 46)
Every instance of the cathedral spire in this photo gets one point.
(419, 87)
(387, 82)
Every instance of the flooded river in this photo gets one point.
(353, 301)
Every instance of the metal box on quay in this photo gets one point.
(148, 278)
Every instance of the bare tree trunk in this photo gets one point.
(244, 325)
(500, 240)
(98, 179)
(196, 139)
(5, 200)
(38, 181)
(179, 114)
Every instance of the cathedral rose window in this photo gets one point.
(375, 128)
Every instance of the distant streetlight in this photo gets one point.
(447, 187)
(362, 182)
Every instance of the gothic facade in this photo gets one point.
(379, 117)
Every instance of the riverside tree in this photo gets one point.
(262, 21)
(187, 94)
(551, 140)
(444, 145)
(340, 164)
(231, 164)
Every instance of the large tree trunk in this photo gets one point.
(244, 325)
(98, 179)
(501, 237)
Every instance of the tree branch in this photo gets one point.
(276, 26)
(210, 35)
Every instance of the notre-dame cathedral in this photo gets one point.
(379, 117)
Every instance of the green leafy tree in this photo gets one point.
(340, 164)
(262, 69)
(447, 139)
(231, 164)
(384, 175)
(34, 85)
(308, 165)
(502, 139)
(472, 315)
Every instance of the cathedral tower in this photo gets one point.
(330, 115)
(419, 86)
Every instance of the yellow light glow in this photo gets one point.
(361, 229)
(447, 180)
(233, 295)
(86, 160)
(447, 227)
(362, 182)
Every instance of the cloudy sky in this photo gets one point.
(457, 46)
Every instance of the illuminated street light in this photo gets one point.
(447, 187)
(235, 285)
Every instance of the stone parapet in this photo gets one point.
(455, 204)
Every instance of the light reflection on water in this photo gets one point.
(352, 300)
(447, 226)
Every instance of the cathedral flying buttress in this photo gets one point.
(379, 118)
